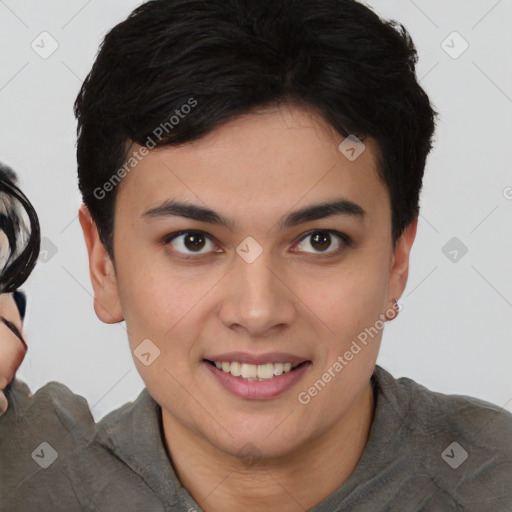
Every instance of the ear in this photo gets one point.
(400, 264)
(104, 282)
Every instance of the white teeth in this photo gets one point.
(253, 371)
(235, 369)
(249, 371)
(265, 371)
(278, 368)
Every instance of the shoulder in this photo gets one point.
(466, 417)
(463, 443)
(433, 412)
(472, 441)
(54, 403)
(39, 434)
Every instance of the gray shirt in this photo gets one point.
(427, 452)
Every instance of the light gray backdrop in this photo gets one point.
(453, 334)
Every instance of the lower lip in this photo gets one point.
(258, 390)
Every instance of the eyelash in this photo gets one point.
(346, 241)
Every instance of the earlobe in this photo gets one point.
(103, 278)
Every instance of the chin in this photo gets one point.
(258, 451)
(261, 444)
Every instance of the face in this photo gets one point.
(265, 288)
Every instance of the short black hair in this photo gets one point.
(24, 239)
(229, 57)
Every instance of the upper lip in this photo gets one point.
(268, 357)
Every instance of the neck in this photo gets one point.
(222, 483)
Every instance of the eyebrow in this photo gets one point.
(309, 213)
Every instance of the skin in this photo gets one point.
(297, 297)
(12, 350)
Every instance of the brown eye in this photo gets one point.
(320, 241)
(194, 241)
(190, 242)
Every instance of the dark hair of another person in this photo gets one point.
(23, 239)
(336, 57)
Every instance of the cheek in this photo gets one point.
(155, 308)
(161, 303)
(352, 295)
(12, 353)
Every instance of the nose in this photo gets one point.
(258, 298)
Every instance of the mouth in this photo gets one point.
(255, 372)
(257, 381)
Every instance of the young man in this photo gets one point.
(251, 175)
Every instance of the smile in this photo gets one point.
(254, 372)
(256, 381)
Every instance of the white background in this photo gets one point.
(453, 334)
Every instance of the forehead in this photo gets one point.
(274, 160)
